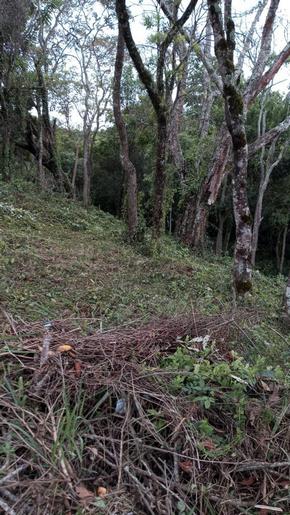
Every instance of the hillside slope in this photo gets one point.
(160, 414)
(58, 261)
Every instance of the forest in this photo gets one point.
(144, 257)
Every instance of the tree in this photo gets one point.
(129, 169)
(269, 160)
(224, 42)
(13, 41)
(92, 51)
(258, 81)
(158, 94)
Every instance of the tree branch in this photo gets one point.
(144, 74)
(269, 136)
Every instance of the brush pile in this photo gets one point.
(150, 420)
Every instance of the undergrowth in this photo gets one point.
(221, 403)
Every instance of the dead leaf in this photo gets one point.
(102, 491)
(229, 356)
(248, 481)
(64, 348)
(186, 466)
(84, 494)
(78, 368)
(253, 410)
(208, 444)
(265, 386)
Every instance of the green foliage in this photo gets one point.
(216, 384)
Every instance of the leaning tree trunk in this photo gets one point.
(127, 165)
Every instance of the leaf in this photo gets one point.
(229, 356)
(84, 494)
(208, 444)
(265, 386)
(186, 466)
(102, 491)
(248, 481)
(181, 506)
(253, 410)
(64, 348)
(100, 503)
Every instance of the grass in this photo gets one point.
(59, 261)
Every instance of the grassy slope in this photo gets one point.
(57, 260)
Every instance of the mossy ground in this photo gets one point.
(58, 260)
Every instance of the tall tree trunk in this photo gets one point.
(86, 171)
(74, 172)
(49, 141)
(235, 119)
(257, 83)
(266, 168)
(157, 93)
(40, 169)
(194, 220)
(127, 165)
(160, 176)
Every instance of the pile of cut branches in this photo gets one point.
(158, 419)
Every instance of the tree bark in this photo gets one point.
(127, 165)
(235, 118)
(48, 130)
(86, 171)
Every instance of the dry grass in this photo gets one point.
(63, 436)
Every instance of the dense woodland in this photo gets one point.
(144, 244)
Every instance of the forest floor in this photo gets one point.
(148, 392)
